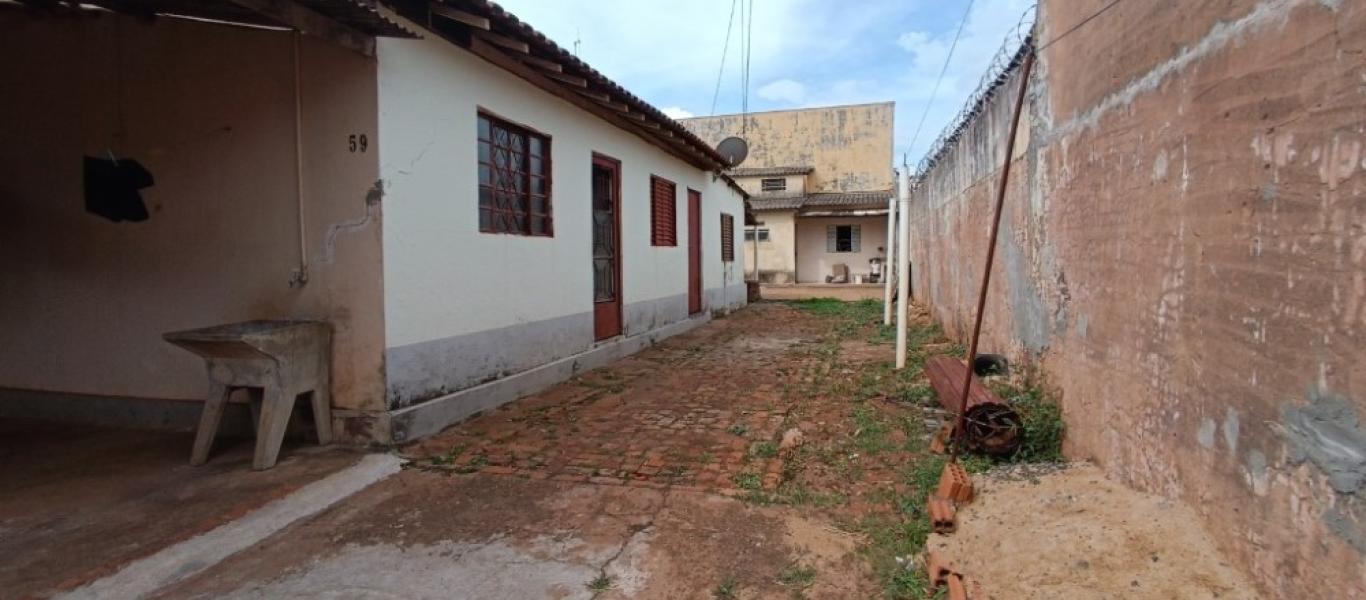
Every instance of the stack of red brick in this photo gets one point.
(955, 489)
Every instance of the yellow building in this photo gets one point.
(820, 180)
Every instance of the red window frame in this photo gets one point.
(663, 212)
(727, 237)
(514, 178)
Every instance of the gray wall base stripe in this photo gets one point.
(117, 411)
(432, 416)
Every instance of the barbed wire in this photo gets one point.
(1007, 59)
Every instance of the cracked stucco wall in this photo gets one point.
(1183, 259)
(209, 110)
(849, 147)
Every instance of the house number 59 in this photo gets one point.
(357, 143)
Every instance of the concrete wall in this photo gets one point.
(796, 184)
(209, 110)
(1183, 260)
(814, 263)
(464, 307)
(849, 147)
(777, 262)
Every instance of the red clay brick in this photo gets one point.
(937, 568)
(957, 591)
(954, 483)
(942, 515)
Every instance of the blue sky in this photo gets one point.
(805, 52)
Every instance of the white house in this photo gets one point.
(476, 212)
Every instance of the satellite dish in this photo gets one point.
(734, 150)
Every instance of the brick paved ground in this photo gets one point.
(704, 410)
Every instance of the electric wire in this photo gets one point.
(942, 71)
(1079, 25)
(725, 48)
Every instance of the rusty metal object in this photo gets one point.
(992, 426)
(968, 380)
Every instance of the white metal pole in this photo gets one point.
(888, 264)
(756, 254)
(903, 260)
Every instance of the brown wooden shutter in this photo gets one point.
(727, 238)
(663, 212)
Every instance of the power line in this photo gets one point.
(942, 71)
(749, 53)
(1078, 25)
(724, 49)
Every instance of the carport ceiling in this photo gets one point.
(350, 23)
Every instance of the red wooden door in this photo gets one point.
(606, 247)
(694, 252)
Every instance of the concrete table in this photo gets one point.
(276, 361)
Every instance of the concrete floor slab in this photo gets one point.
(78, 503)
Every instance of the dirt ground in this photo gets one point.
(1071, 533)
(771, 454)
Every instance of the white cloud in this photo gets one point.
(676, 112)
(784, 90)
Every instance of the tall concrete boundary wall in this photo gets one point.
(1183, 259)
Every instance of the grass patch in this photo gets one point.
(870, 435)
(728, 589)
(599, 584)
(1042, 419)
(763, 450)
(448, 457)
(797, 576)
(750, 482)
(738, 430)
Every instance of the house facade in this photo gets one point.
(820, 181)
(475, 212)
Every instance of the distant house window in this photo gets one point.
(663, 212)
(775, 184)
(751, 233)
(841, 238)
(514, 179)
(727, 238)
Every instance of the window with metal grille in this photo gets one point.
(776, 184)
(514, 179)
(727, 238)
(751, 234)
(842, 238)
(663, 212)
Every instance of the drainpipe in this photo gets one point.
(903, 259)
(889, 265)
(300, 275)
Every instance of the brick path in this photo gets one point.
(704, 410)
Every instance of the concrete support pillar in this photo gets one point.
(889, 269)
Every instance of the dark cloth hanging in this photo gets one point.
(111, 189)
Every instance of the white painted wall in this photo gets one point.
(443, 277)
(209, 110)
(814, 263)
(777, 262)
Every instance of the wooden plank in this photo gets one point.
(503, 41)
(543, 64)
(569, 79)
(311, 22)
(441, 10)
